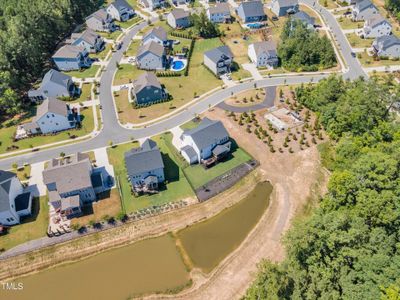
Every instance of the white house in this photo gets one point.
(14, 203)
(376, 26)
(70, 57)
(263, 54)
(120, 10)
(100, 21)
(201, 143)
(90, 40)
(151, 56)
(152, 4)
(387, 46)
(364, 10)
(157, 35)
(284, 7)
(218, 60)
(178, 18)
(219, 13)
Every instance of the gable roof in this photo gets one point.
(51, 105)
(144, 80)
(376, 20)
(68, 51)
(120, 4)
(179, 13)
(221, 7)
(388, 41)
(89, 36)
(143, 159)
(287, 3)
(152, 47)
(364, 4)
(265, 46)
(69, 174)
(207, 133)
(5, 178)
(252, 8)
(100, 15)
(216, 53)
(158, 31)
(6, 175)
(54, 76)
(304, 17)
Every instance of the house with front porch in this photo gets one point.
(151, 56)
(218, 60)
(89, 39)
(101, 21)
(147, 89)
(376, 26)
(120, 10)
(263, 54)
(69, 58)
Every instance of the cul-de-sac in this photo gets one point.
(199, 149)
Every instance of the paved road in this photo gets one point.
(112, 131)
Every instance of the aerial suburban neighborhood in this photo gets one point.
(199, 149)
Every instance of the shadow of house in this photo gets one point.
(171, 168)
(35, 210)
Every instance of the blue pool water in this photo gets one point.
(177, 65)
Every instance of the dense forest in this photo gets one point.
(348, 248)
(394, 7)
(303, 49)
(29, 33)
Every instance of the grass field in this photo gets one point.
(102, 55)
(133, 48)
(347, 23)
(126, 73)
(111, 35)
(129, 23)
(31, 228)
(177, 186)
(84, 73)
(357, 42)
(85, 93)
(368, 61)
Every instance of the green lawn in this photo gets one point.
(177, 186)
(129, 23)
(111, 35)
(84, 73)
(368, 61)
(347, 23)
(190, 125)
(102, 55)
(240, 73)
(31, 228)
(133, 48)
(85, 92)
(126, 73)
(357, 42)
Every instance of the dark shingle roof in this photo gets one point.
(5, 177)
(121, 4)
(145, 80)
(152, 47)
(51, 105)
(68, 51)
(207, 133)
(189, 151)
(361, 5)
(179, 13)
(216, 53)
(219, 8)
(304, 17)
(287, 3)
(143, 159)
(56, 77)
(388, 41)
(158, 32)
(265, 46)
(253, 8)
(375, 20)
(89, 36)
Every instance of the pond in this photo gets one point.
(209, 242)
(146, 266)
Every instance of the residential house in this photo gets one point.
(147, 89)
(263, 54)
(208, 139)
(216, 1)
(120, 10)
(156, 34)
(251, 11)
(69, 182)
(364, 10)
(52, 116)
(220, 13)
(387, 46)
(145, 167)
(70, 57)
(151, 56)
(284, 7)
(178, 18)
(14, 202)
(219, 60)
(376, 26)
(152, 4)
(54, 84)
(90, 40)
(304, 18)
(180, 2)
(101, 21)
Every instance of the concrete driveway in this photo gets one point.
(253, 70)
(176, 133)
(35, 183)
(103, 164)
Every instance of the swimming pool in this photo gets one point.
(178, 64)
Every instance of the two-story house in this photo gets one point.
(304, 18)
(263, 54)
(220, 13)
(376, 26)
(156, 34)
(284, 7)
(101, 21)
(251, 11)
(152, 4)
(151, 56)
(218, 60)
(90, 40)
(147, 89)
(120, 10)
(54, 84)
(145, 167)
(387, 46)
(14, 202)
(70, 57)
(364, 10)
(178, 18)
(209, 138)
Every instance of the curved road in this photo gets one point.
(113, 131)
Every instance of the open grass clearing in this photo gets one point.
(247, 98)
(111, 35)
(102, 55)
(84, 73)
(129, 23)
(357, 42)
(126, 73)
(369, 61)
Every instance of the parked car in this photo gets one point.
(274, 18)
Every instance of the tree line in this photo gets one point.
(29, 34)
(394, 7)
(348, 248)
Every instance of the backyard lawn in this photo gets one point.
(84, 73)
(102, 55)
(111, 35)
(133, 48)
(347, 23)
(177, 186)
(126, 73)
(31, 228)
(85, 93)
(357, 42)
(129, 23)
(368, 61)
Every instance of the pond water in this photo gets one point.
(147, 266)
(209, 242)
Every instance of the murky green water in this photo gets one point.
(209, 242)
(146, 266)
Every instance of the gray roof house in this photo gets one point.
(120, 10)
(69, 182)
(151, 56)
(364, 10)
(54, 84)
(219, 60)
(178, 18)
(147, 89)
(152, 4)
(145, 167)
(305, 18)
(220, 13)
(156, 34)
(70, 57)
(90, 40)
(100, 21)
(251, 11)
(284, 7)
(199, 143)
(376, 26)
(263, 54)
(387, 46)
(14, 202)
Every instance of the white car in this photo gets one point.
(131, 59)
